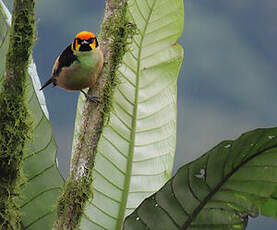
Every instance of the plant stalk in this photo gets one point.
(14, 117)
(114, 35)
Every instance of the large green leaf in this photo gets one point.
(217, 191)
(136, 150)
(43, 180)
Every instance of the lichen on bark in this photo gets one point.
(114, 36)
(14, 118)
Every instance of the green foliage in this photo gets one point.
(217, 191)
(43, 180)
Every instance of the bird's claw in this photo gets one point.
(92, 98)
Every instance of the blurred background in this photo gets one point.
(227, 84)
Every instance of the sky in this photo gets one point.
(227, 81)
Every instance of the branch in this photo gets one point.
(14, 123)
(115, 31)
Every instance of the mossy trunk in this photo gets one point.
(14, 124)
(115, 31)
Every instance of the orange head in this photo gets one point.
(84, 41)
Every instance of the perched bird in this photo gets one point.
(79, 65)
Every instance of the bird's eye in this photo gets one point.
(90, 40)
(79, 40)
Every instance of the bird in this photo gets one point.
(79, 65)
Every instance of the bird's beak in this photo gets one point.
(84, 42)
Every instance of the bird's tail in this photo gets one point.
(47, 83)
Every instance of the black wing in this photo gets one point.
(66, 59)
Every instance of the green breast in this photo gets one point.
(82, 72)
(87, 60)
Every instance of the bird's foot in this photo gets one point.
(90, 97)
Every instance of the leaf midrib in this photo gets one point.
(217, 188)
(127, 181)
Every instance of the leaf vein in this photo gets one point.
(93, 222)
(108, 159)
(105, 178)
(107, 139)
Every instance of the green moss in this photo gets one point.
(120, 31)
(14, 131)
(73, 200)
(14, 118)
(21, 36)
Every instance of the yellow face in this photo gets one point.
(84, 41)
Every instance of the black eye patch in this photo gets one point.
(90, 40)
(79, 40)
